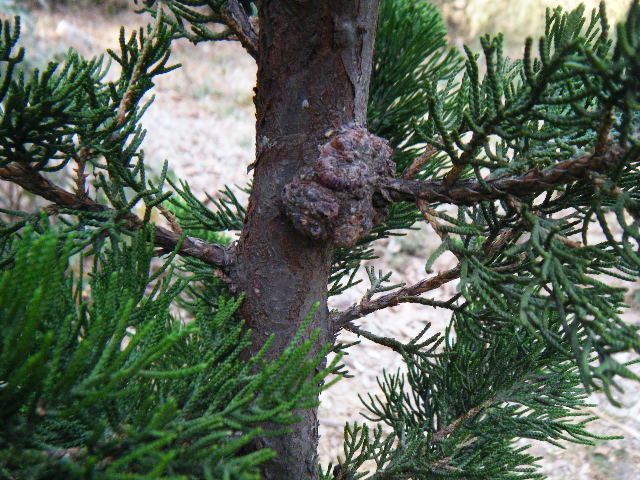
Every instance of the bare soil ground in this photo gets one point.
(202, 121)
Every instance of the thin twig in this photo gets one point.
(359, 310)
(517, 205)
(411, 293)
(414, 346)
(449, 304)
(127, 98)
(429, 215)
(415, 167)
(431, 218)
(457, 170)
(453, 426)
(170, 218)
(80, 183)
(631, 206)
(604, 131)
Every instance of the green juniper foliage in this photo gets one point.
(100, 379)
(193, 19)
(535, 325)
(114, 365)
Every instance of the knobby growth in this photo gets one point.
(114, 364)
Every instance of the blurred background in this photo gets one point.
(202, 122)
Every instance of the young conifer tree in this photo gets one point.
(207, 362)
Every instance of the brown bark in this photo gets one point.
(165, 239)
(470, 191)
(235, 17)
(367, 306)
(314, 66)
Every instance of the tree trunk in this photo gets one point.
(315, 59)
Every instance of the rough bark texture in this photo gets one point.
(470, 192)
(166, 239)
(335, 198)
(314, 66)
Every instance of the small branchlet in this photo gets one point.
(200, 15)
(358, 310)
(378, 284)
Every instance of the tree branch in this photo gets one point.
(403, 295)
(167, 240)
(447, 430)
(238, 22)
(470, 192)
(411, 294)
